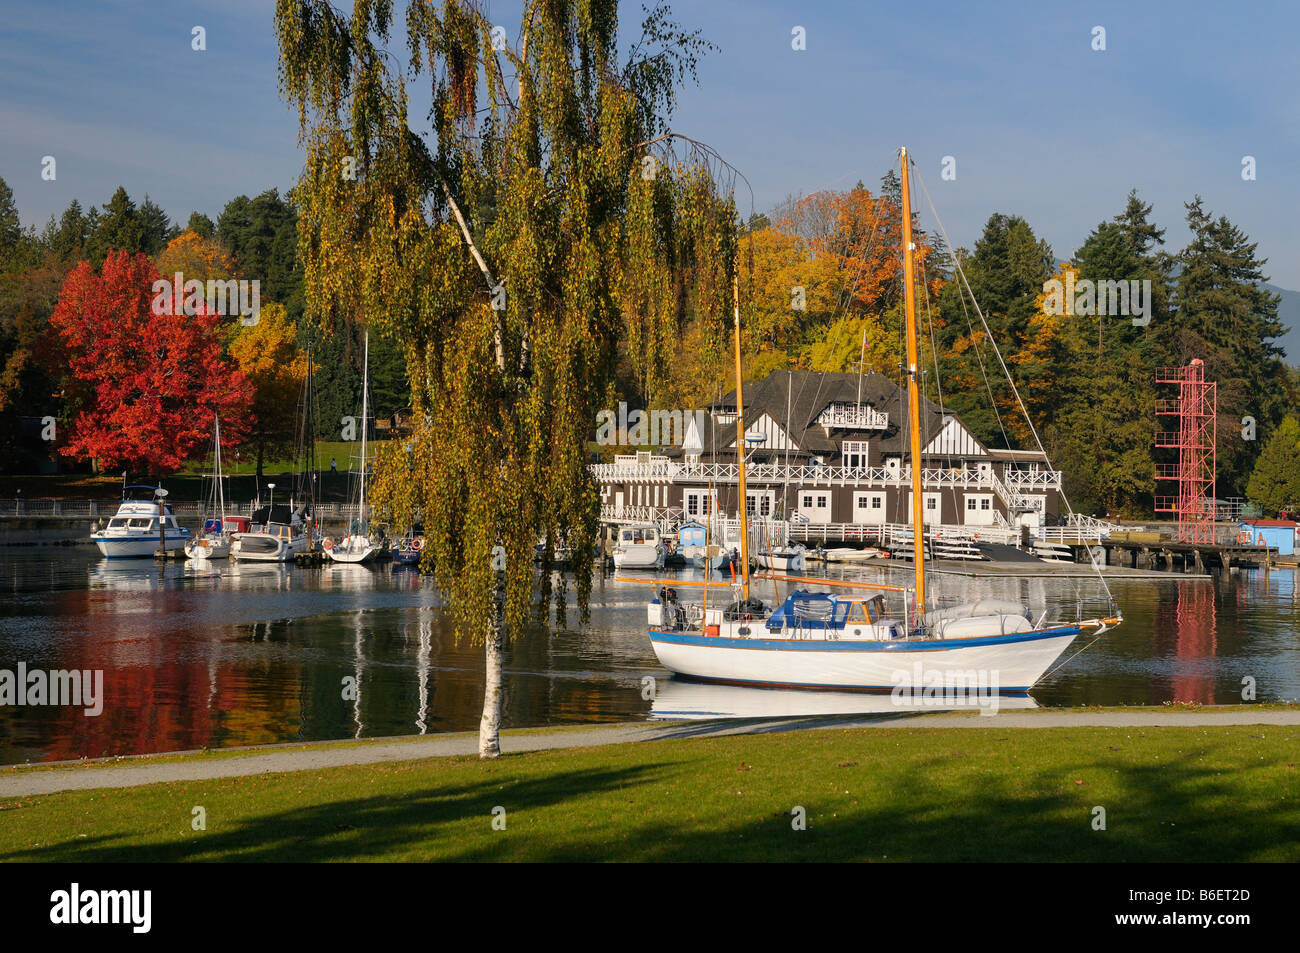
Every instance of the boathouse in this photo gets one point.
(833, 450)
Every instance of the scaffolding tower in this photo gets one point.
(1196, 409)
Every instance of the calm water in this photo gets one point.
(247, 654)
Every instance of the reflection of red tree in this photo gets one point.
(163, 691)
(1195, 642)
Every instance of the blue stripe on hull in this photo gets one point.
(825, 645)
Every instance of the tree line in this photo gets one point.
(78, 256)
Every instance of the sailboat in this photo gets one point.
(213, 541)
(277, 534)
(357, 546)
(821, 640)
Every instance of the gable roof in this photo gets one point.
(801, 396)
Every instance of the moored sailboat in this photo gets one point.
(357, 546)
(213, 541)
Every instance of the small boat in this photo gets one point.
(133, 532)
(407, 551)
(639, 547)
(276, 535)
(847, 554)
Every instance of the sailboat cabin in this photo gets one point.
(831, 450)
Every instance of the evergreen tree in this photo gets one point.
(118, 228)
(1228, 320)
(1275, 482)
(72, 233)
(200, 225)
(1006, 271)
(262, 233)
(11, 230)
(156, 229)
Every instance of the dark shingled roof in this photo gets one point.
(805, 394)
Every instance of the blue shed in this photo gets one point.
(1279, 533)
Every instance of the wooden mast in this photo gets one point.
(913, 397)
(740, 446)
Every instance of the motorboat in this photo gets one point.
(134, 531)
(639, 547)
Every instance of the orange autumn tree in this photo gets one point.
(195, 257)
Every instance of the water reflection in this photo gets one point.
(246, 653)
(678, 699)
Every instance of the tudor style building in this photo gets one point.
(834, 452)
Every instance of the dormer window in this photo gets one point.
(850, 416)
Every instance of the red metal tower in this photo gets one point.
(1196, 409)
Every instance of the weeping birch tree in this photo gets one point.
(512, 238)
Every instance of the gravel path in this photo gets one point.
(131, 772)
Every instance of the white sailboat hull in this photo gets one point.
(1006, 663)
(263, 547)
(353, 549)
(639, 557)
(207, 548)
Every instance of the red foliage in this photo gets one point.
(151, 382)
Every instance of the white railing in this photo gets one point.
(769, 473)
(853, 417)
(1024, 480)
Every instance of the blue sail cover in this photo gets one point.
(809, 610)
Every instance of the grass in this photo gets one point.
(1185, 793)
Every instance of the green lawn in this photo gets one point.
(1170, 794)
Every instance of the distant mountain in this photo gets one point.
(1288, 312)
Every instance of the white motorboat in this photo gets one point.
(276, 535)
(818, 640)
(639, 547)
(357, 546)
(133, 532)
(784, 558)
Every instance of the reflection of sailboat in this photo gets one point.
(820, 640)
(683, 700)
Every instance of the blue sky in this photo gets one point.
(1040, 124)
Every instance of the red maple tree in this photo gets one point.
(149, 383)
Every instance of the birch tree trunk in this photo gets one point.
(489, 728)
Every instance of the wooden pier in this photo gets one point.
(1174, 556)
